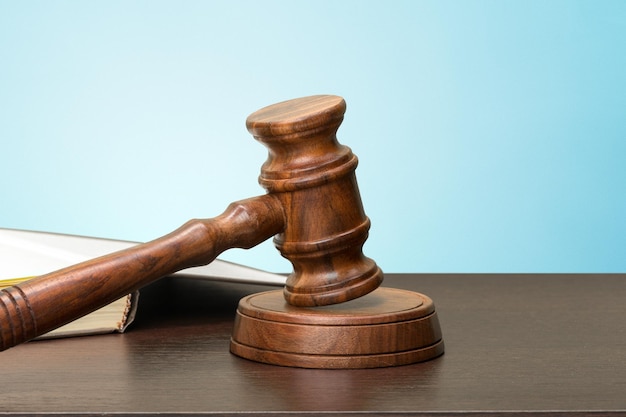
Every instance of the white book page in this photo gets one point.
(28, 253)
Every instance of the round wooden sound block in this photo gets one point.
(387, 327)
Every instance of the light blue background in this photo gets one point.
(491, 134)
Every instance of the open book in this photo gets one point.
(26, 254)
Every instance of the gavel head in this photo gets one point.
(313, 176)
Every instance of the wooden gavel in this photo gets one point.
(312, 207)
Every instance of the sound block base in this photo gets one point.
(387, 327)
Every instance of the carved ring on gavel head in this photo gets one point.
(330, 314)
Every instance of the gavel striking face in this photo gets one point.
(312, 207)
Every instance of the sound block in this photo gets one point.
(387, 327)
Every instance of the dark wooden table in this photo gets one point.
(515, 345)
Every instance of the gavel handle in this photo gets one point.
(42, 304)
